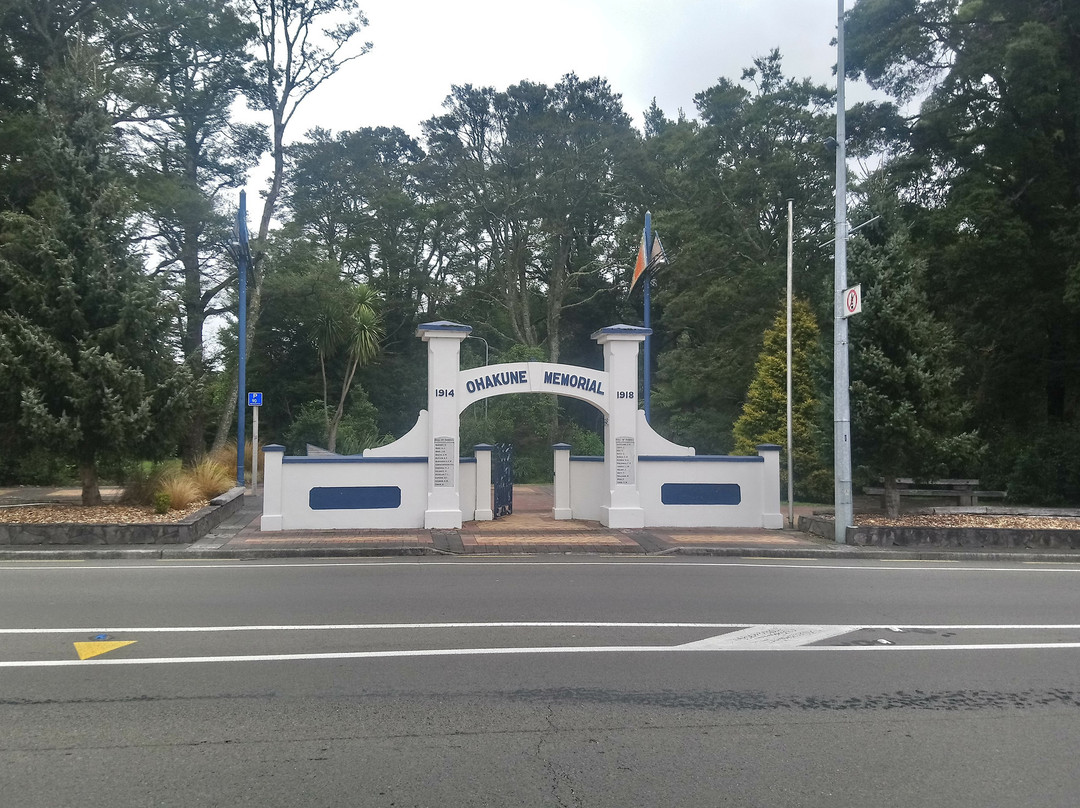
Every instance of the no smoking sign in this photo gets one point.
(853, 300)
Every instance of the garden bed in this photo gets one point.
(54, 524)
(1012, 529)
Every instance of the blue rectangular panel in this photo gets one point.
(254, 399)
(700, 494)
(368, 497)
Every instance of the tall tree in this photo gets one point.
(192, 150)
(995, 153)
(85, 369)
(722, 209)
(537, 170)
(301, 44)
(909, 417)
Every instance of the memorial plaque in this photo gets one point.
(625, 457)
(445, 452)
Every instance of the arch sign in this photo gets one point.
(534, 377)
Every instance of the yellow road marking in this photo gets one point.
(86, 650)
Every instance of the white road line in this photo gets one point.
(452, 652)
(172, 565)
(367, 626)
(835, 628)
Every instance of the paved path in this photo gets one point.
(530, 529)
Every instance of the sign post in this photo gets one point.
(254, 401)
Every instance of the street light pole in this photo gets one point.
(841, 375)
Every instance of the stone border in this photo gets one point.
(187, 530)
(963, 537)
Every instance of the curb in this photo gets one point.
(175, 553)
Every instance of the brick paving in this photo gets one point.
(530, 529)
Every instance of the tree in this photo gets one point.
(995, 161)
(85, 369)
(909, 417)
(301, 44)
(191, 151)
(722, 210)
(764, 415)
(348, 325)
(536, 170)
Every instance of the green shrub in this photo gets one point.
(162, 502)
(143, 480)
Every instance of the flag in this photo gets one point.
(639, 267)
(656, 257)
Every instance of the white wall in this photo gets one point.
(467, 470)
(587, 482)
(746, 472)
(301, 474)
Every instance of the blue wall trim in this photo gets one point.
(465, 459)
(366, 497)
(700, 494)
(586, 459)
(700, 459)
(353, 459)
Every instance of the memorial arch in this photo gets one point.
(420, 479)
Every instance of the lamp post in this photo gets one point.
(841, 381)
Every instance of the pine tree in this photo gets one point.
(84, 368)
(908, 417)
(764, 414)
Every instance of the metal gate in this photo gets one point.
(502, 475)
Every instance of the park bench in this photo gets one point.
(965, 492)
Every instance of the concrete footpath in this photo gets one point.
(529, 531)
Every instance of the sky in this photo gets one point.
(663, 49)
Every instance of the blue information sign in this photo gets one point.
(254, 399)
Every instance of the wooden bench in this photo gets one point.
(966, 492)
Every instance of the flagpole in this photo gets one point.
(648, 317)
(790, 459)
(243, 256)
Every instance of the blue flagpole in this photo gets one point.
(241, 398)
(648, 317)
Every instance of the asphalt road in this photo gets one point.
(639, 682)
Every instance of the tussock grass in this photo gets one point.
(210, 477)
(226, 457)
(181, 489)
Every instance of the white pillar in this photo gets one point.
(444, 360)
(770, 486)
(272, 487)
(562, 509)
(483, 512)
(623, 506)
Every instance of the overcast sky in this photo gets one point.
(667, 49)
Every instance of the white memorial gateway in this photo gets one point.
(421, 480)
